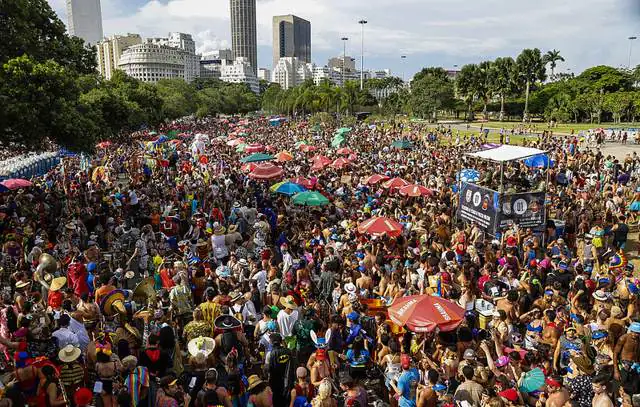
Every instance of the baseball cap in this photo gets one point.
(509, 394)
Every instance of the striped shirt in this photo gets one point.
(71, 373)
(135, 381)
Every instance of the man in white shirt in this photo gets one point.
(261, 278)
(64, 335)
(288, 316)
(287, 259)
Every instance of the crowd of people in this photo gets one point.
(163, 273)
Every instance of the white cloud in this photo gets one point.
(430, 32)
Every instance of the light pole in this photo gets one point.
(631, 39)
(362, 23)
(402, 58)
(344, 55)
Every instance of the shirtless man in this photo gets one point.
(627, 349)
(509, 305)
(557, 395)
(601, 398)
(550, 333)
(364, 282)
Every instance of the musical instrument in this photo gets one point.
(145, 292)
(47, 264)
(113, 303)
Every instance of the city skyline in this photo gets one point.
(244, 41)
(429, 33)
(84, 20)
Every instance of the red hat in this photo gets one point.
(512, 241)
(405, 361)
(83, 396)
(509, 394)
(551, 382)
(321, 354)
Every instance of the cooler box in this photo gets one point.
(485, 313)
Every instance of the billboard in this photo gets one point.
(525, 210)
(480, 205)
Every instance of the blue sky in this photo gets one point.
(429, 32)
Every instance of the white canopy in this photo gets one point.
(507, 153)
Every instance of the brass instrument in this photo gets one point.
(47, 264)
(145, 293)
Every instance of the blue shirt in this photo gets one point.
(408, 386)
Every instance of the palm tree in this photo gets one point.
(467, 86)
(485, 85)
(530, 69)
(503, 79)
(551, 57)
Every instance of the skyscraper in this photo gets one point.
(291, 38)
(243, 31)
(85, 20)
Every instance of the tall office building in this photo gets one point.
(291, 38)
(85, 20)
(243, 31)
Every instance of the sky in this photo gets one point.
(428, 32)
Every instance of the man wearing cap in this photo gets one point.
(557, 395)
(406, 387)
(566, 344)
(470, 358)
(627, 350)
(260, 393)
(169, 394)
(211, 394)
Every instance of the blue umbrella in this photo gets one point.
(3, 188)
(290, 189)
(532, 380)
(162, 139)
(539, 161)
(469, 175)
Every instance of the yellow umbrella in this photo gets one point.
(284, 156)
(98, 173)
(273, 187)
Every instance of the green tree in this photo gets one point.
(551, 58)
(530, 69)
(178, 98)
(485, 85)
(504, 83)
(467, 86)
(431, 92)
(618, 104)
(604, 78)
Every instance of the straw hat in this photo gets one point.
(235, 295)
(57, 283)
(600, 295)
(289, 302)
(201, 345)
(22, 284)
(219, 230)
(350, 288)
(129, 275)
(583, 363)
(69, 353)
(233, 228)
(254, 380)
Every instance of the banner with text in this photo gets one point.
(525, 210)
(479, 205)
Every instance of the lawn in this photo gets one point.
(560, 128)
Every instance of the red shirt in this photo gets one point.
(55, 299)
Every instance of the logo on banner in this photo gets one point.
(520, 206)
(477, 199)
(506, 208)
(469, 195)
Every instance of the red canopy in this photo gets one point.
(378, 226)
(307, 183)
(266, 171)
(320, 161)
(423, 313)
(395, 183)
(415, 190)
(375, 178)
(254, 148)
(340, 163)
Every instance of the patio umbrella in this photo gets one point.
(424, 313)
(257, 157)
(320, 161)
(340, 163)
(284, 156)
(402, 144)
(235, 142)
(16, 183)
(240, 148)
(290, 189)
(375, 178)
(300, 143)
(539, 161)
(305, 148)
(307, 183)
(343, 130)
(379, 226)
(337, 141)
(415, 190)
(344, 151)
(469, 175)
(266, 171)
(254, 148)
(531, 380)
(395, 183)
(310, 198)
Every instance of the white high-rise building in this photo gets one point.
(290, 72)
(186, 43)
(150, 62)
(240, 71)
(219, 54)
(243, 31)
(264, 74)
(110, 49)
(84, 20)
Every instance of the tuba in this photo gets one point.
(114, 304)
(47, 264)
(145, 293)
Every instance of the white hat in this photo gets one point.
(69, 353)
(201, 345)
(350, 288)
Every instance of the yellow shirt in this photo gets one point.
(210, 311)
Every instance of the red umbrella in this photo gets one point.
(103, 144)
(424, 313)
(307, 183)
(320, 161)
(340, 163)
(266, 171)
(378, 226)
(306, 148)
(375, 178)
(254, 148)
(415, 190)
(345, 151)
(16, 183)
(395, 183)
(248, 167)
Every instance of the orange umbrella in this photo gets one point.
(395, 183)
(375, 178)
(284, 156)
(266, 171)
(340, 163)
(415, 190)
(379, 226)
(424, 313)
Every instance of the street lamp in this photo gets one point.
(631, 39)
(362, 23)
(402, 57)
(344, 55)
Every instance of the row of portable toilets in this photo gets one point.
(29, 165)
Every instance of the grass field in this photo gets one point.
(560, 128)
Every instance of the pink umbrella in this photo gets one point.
(16, 183)
(345, 151)
(254, 148)
(266, 171)
(340, 163)
(307, 149)
(103, 144)
(235, 142)
(379, 226)
(375, 178)
(415, 190)
(395, 183)
(320, 161)
(307, 183)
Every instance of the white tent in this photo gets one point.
(506, 153)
